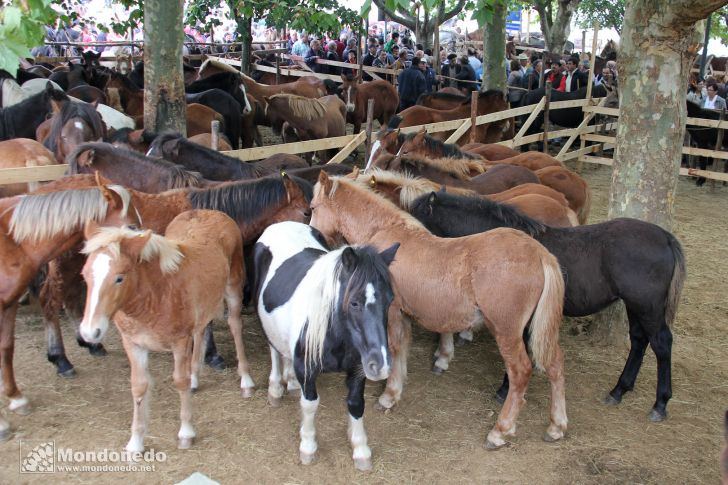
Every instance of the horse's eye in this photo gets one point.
(354, 304)
(119, 280)
(132, 227)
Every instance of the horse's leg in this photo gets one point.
(289, 376)
(362, 455)
(198, 343)
(140, 385)
(309, 406)
(212, 358)
(639, 342)
(399, 334)
(275, 386)
(661, 344)
(518, 367)
(51, 300)
(464, 337)
(444, 354)
(181, 377)
(234, 300)
(18, 402)
(559, 421)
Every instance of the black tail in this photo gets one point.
(394, 121)
(678, 278)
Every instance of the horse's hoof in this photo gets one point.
(274, 401)
(194, 390)
(438, 371)
(68, 373)
(184, 443)
(611, 400)
(363, 464)
(492, 445)
(459, 341)
(5, 434)
(657, 416)
(216, 362)
(247, 392)
(97, 350)
(553, 436)
(385, 403)
(307, 458)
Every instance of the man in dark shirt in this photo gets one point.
(411, 84)
(368, 60)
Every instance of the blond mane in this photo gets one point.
(409, 186)
(458, 167)
(110, 238)
(302, 107)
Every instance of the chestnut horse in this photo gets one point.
(357, 95)
(36, 228)
(502, 279)
(76, 123)
(161, 292)
(23, 152)
(490, 101)
(574, 188)
(403, 189)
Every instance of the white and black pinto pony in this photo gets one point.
(323, 311)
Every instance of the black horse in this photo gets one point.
(229, 82)
(703, 136)
(22, 119)
(627, 259)
(222, 102)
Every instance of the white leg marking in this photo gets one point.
(18, 403)
(308, 445)
(362, 454)
(186, 431)
(99, 270)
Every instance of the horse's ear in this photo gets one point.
(354, 174)
(422, 132)
(133, 246)
(86, 158)
(49, 87)
(289, 184)
(389, 253)
(95, 103)
(325, 182)
(90, 229)
(349, 259)
(266, 99)
(432, 199)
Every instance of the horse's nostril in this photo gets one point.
(372, 368)
(307, 213)
(97, 333)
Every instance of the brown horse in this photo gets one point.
(357, 95)
(23, 152)
(490, 151)
(200, 118)
(74, 124)
(490, 101)
(403, 189)
(205, 139)
(161, 292)
(501, 279)
(442, 99)
(89, 94)
(36, 228)
(574, 188)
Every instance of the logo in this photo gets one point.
(39, 458)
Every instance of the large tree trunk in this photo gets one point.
(556, 30)
(494, 48)
(164, 88)
(659, 42)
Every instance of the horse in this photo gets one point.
(23, 152)
(75, 124)
(356, 96)
(441, 100)
(212, 164)
(22, 119)
(323, 311)
(574, 188)
(70, 76)
(310, 119)
(205, 139)
(88, 94)
(628, 259)
(445, 171)
(489, 101)
(227, 106)
(35, 229)
(403, 189)
(225, 81)
(200, 118)
(502, 279)
(161, 292)
(703, 136)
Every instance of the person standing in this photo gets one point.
(368, 60)
(411, 84)
(713, 101)
(314, 53)
(394, 40)
(331, 55)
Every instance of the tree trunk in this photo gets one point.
(658, 44)
(556, 30)
(494, 48)
(245, 26)
(164, 88)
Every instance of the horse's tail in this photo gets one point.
(546, 319)
(584, 210)
(678, 278)
(394, 121)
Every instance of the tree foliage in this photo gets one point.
(22, 26)
(609, 14)
(719, 25)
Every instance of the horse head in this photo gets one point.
(348, 91)
(413, 144)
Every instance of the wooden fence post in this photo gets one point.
(473, 115)
(546, 117)
(589, 85)
(368, 141)
(215, 135)
(278, 68)
(718, 145)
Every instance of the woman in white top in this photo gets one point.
(713, 101)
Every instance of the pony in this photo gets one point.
(574, 188)
(227, 106)
(229, 82)
(161, 292)
(35, 229)
(23, 152)
(22, 119)
(502, 279)
(88, 94)
(75, 124)
(628, 259)
(212, 164)
(441, 100)
(323, 311)
(357, 95)
(403, 189)
(490, 101)
(200, 118)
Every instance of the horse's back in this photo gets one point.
(206, 229)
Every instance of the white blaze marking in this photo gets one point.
(247, 108)
(99, 269)
(370, 298)
(375, 147)
(78, 125)
(349, 105)
(399, 152)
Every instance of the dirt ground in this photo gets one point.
(436, 434)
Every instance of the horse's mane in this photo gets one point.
(485, 94)
(458, 167)
(246, 200)
(410, 187)
(84, 111)
(110, 238)
(179, 177)
(440, 95)
(42, 216)
(448, 150)
(506, 215)
(220, 65)
(302, 107)
(376, 204)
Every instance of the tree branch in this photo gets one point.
(691, 12)
(453, 12)
(404, 19)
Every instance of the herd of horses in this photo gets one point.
(155, 232)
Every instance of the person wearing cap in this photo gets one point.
(411, 84)
(522, 64)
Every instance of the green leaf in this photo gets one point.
(12, 17)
